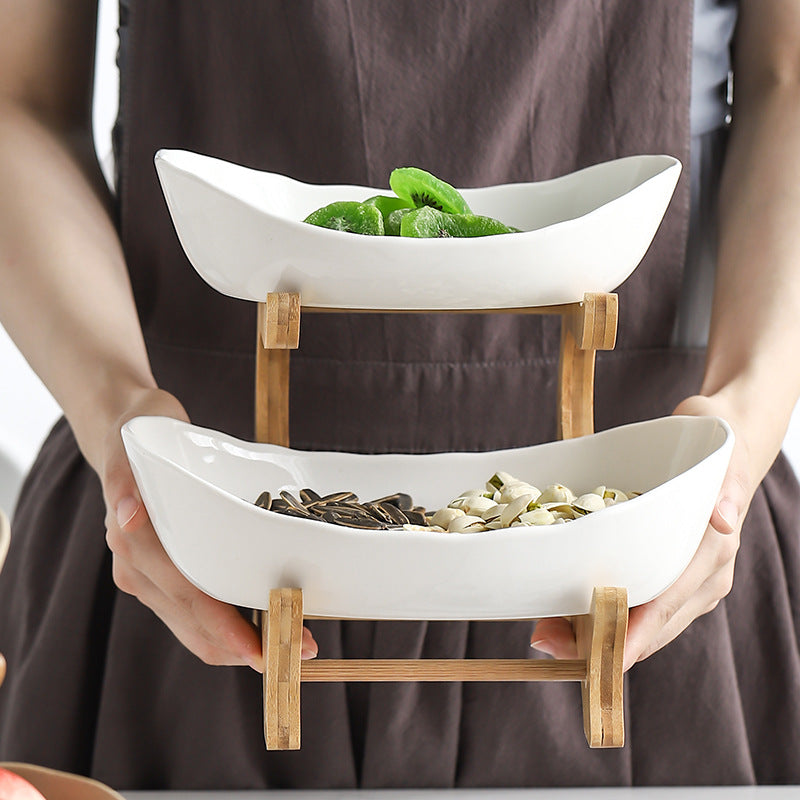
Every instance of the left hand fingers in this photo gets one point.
(555, 636)
(705, 581)
(654, 624)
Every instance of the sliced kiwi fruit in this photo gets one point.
(386, 204)
(419, 188)
(348, 216)
(391, 225)
(428, 223)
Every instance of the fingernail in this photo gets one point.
(307, 654)
(728, 511)
(126, 510)
(543, 645)
(255, 663)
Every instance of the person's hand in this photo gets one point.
(214, 631)
(709, 576)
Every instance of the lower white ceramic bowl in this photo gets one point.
(199, 486)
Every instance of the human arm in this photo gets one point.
(755, 327)
(66, 300)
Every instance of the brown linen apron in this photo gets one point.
(335, 91)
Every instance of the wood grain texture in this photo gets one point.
(429, 669)
(282, 637)
(272, 396)
(600, 636)
(596, 321)
(279, 321)
(575, 386)
(278, 335)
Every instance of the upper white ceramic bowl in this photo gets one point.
(585, 232)
(199, 486)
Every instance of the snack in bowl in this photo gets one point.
(425, 208)
(505, 502)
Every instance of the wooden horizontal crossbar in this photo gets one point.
(442, 669)
(563, 308)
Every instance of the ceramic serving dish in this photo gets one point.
(585, 232)
(199, 486)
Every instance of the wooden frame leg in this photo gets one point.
(586, 327)
(278, 335)
(282, 638)
(600, 636)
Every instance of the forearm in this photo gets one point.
(66, 298)
(755, 330)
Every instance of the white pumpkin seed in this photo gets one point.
(539, 516)
(465, 524)
(444, 516)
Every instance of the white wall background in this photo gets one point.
(27, 410)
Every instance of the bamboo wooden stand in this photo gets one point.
(586, 327)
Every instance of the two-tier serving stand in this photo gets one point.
(586, 327)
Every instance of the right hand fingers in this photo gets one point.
(214, 631)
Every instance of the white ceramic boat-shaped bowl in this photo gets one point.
(199, 486)
(242, 230)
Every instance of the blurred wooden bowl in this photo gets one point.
(55, 785)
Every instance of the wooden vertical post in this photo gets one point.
(586, 327)
(282, 638)
(278, 334)
(600, 636)
(282, 627)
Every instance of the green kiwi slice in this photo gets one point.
(348, 216)
(428, 223)
(386, 204)
(419, 188)
(391, 225)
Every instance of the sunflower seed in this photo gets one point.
(400, 500)
(395, 515)
(308, 496)
(377, 511)
(416, 517)
(366, 523)
(339, 497)
(293, 502)
(264, 500)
